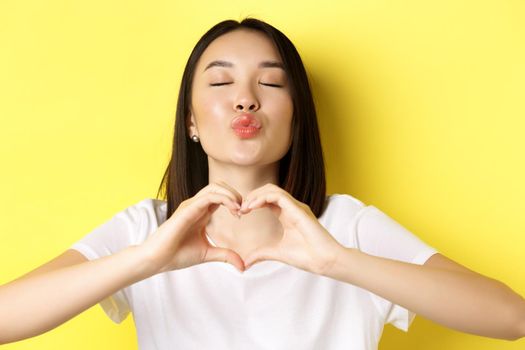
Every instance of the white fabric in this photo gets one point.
(270, 306)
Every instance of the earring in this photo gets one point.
(195, 138)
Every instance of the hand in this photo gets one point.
(181, 240)
(305, 243)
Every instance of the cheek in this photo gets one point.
(208, 105)
(282, 107)
(280, 111)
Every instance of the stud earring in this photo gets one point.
(195, 138)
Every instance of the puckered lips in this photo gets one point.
(246, 125)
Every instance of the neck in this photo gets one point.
(243, 179)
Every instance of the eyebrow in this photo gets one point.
(264, 64)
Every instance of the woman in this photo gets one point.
(246, 186)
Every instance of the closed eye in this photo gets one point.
(266, 84)
(272, 85)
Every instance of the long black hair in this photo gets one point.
(301, 170)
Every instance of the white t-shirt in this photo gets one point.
(271, 305)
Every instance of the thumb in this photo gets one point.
(259, 255)
(224, 255)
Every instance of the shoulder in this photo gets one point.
(149, 212)
(338, 203)
(150, 204)
(339, 215)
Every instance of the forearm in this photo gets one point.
(470, 303)
(34, 305)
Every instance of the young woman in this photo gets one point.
(246, 186)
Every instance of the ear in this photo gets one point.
(191, 125)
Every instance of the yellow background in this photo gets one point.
(420, 106)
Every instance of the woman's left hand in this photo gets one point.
(305, 243)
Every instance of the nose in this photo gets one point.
(246, 101)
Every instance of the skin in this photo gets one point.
(242, 164)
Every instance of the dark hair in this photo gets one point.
(301, 170)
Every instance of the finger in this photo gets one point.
(258, 191)
(220, 198)
(276, 198)
(213, 207)
(224, 255)
(208, 203)
(217, 190)
(221, 187)
(259, 255)
(233, 191)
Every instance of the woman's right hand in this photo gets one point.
(181, 240)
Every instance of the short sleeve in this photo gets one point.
(109, 238)
(378, 234)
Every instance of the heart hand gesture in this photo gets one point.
(181, 240)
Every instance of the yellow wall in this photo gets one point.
(421, 114)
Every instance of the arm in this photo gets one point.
(465, 301)
(35, 304)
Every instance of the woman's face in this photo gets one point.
(241, 105)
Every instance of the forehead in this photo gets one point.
(240, 47)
